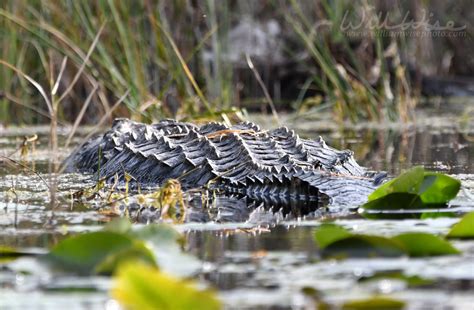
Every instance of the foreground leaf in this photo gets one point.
(9, 253)
(91, 252)
(167, 245)
(160, 235)
(364, 246)
(335, 241)
(464, 228)
(119, 225)
(411, 281)
(424, 244)
(329, 233)
(375, 303)
(138, 286)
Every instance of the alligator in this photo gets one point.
(240, 159)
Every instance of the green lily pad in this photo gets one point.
(364, 246)
(9, 253)
(438, 188)
(375, 303)
(337, 242)
(411, 281)
(138, 286)
(329, 233)
(160, 235)
(138, 252)
(119, 225)
(435, 215)
(395, 201)
(464, 228)
(408, 182)
(92, 252)
(424, 244)
(414, 189)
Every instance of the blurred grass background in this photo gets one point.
(186, 59)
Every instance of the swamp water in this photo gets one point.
(268, 258)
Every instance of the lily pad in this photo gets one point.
(160, 235)
(364, 246)
(329, 233)
(438, 188)
(91, 252)
(119, 225)
(335, 241)
(167, 245)
(414, 189)
(395, 201)
(374, 303)
(464, 229)
(424, 244)
(408, 182)
(138, 286)
(9, 253)
(411, 281)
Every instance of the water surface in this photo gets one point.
(266, 258)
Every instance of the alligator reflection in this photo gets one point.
(261, 211)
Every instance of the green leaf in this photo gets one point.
(435, 215)
(119, 225)
(364, 246)
(414, 189)
(438, 188)
(138, 252)
(138, 286)
(167, 244)
(160, 235)
(411, 281)
(337, 242)
(464, 228)
(9, 253)
(329, 233)
(424, 244)
(375, 303)
(91, 252)
(408, 182)
(395, 201)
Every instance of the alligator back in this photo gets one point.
(238, 159)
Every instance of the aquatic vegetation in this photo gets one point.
(167, 200)
(138, 286)
(377, 302)
(414, 189)
(181, 59)
(464, 229)
(336, 241)
(97, 252)
(134, 256)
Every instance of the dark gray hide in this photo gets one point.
(240, 159)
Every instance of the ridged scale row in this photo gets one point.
(239, 159)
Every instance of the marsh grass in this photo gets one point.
(136, 52)
(346, 81)
(156, 51)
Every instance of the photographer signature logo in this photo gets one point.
(370, 23)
